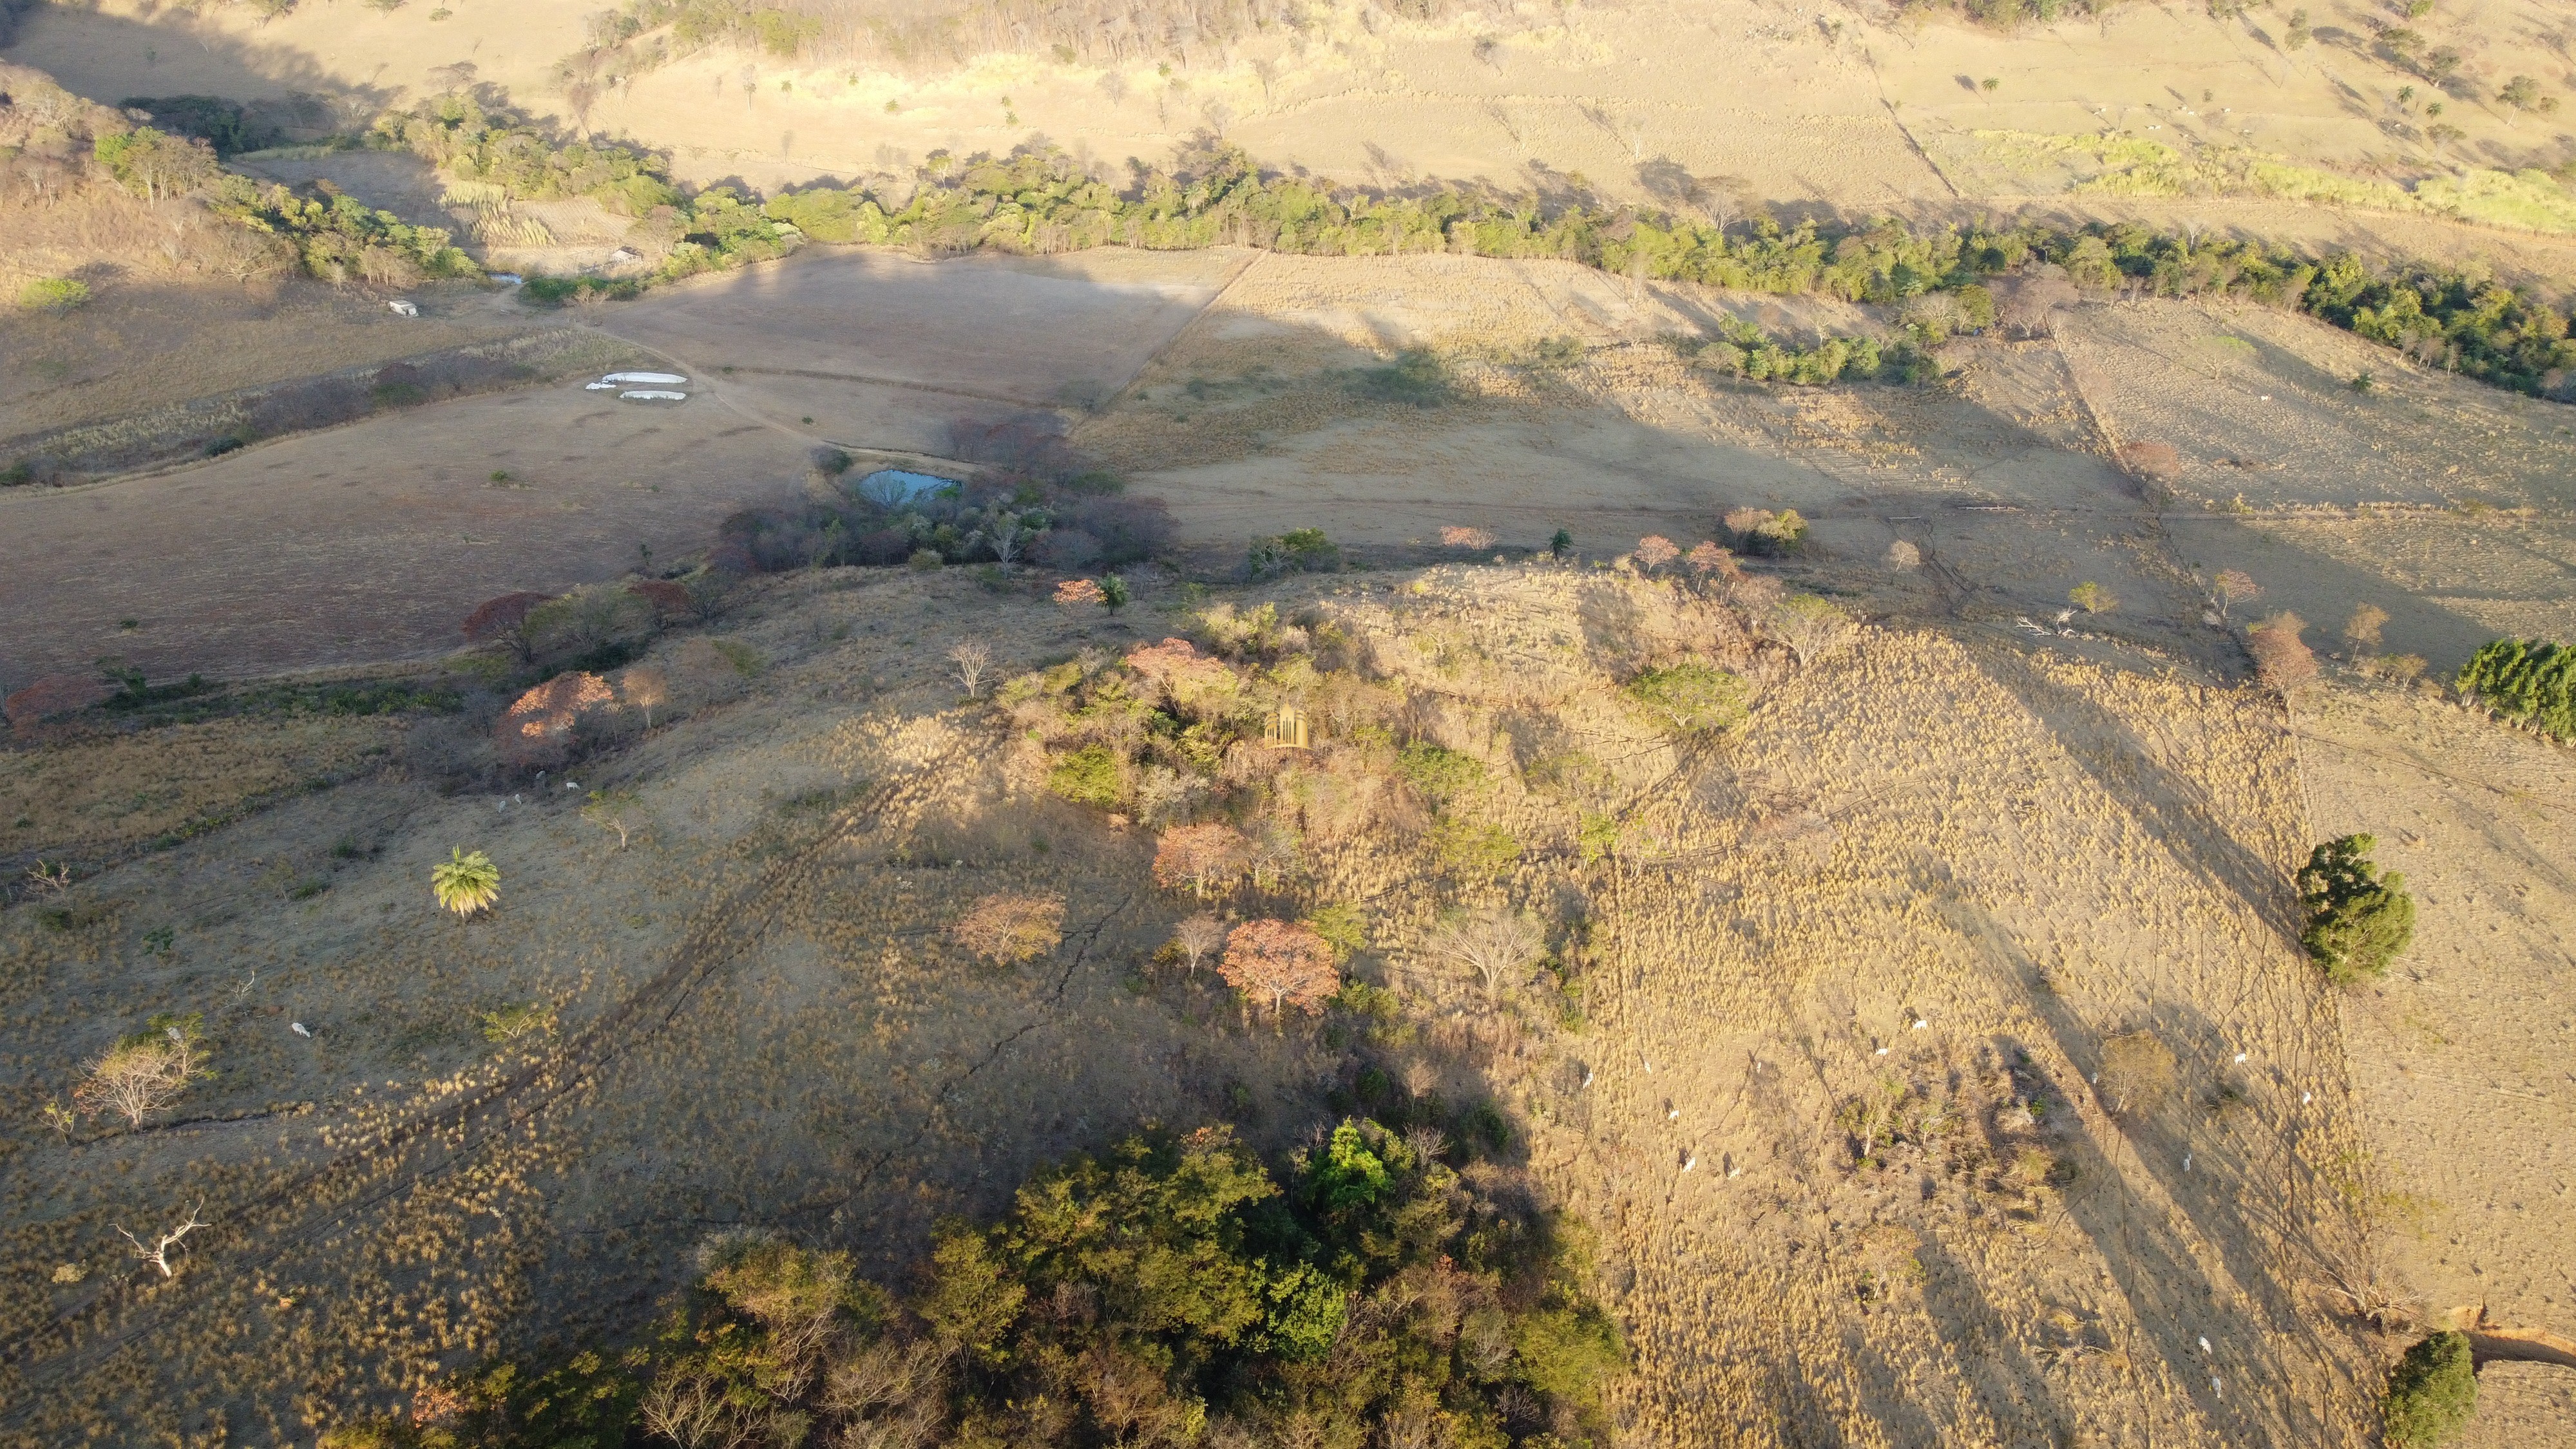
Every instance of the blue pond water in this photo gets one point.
(892, 486)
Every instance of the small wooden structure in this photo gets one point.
(1287, 729)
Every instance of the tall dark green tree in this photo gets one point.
(2359, 919)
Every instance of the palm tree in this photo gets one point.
(465, 883)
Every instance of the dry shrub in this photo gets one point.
(1080, 593)
(1196, 938)
(2281, 657)
(54, 694)
(1654, 551)
(1476, 539)
(145, 1072)
(1284, 963)
(2151, 462)
(2137, 1072)
(1903, 557)
(670, 600)
(1493, 945)
(1007, 929)
(538, 728)
(1201, 857)
(2361, 631)
(647, 689)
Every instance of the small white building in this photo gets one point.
(402, 308)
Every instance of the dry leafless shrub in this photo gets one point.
(1473, 539)
(647, 689)
(1903, 557)
(1202, 857)
(1196, 937)
(2361, 631)
(144, 1073)
(969, 663)
(2233, 587)
(1493, 945)
(1654, 551)
(2351, 1270)
(158, 1255)
(2137, 1072)
(1007, 929)
(2281, 657)
(2151, 462)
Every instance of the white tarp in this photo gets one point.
(648, 379)
(654, 395)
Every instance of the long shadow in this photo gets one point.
(2012, 1389)
(2173, 809)
(2175, 1303)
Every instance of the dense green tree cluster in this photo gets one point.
(2466, 323)
(341, 237)
(2432, 1393)
(2530, 681)
(472, 144)
(1170, 1291)
(2358, 919)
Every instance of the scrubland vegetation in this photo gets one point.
(1172, 1290)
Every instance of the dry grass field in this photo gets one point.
(1850, 973)
(1863, 108)
(1929, 1054)
(2083, 850)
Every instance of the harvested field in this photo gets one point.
(372, 541)
(883, 350)
(142, 345)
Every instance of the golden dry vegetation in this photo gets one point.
(96, 798)
(1843, 975)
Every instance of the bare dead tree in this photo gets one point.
(647, 690)
(143, 1073)
(50, 880)
(971, 661)
(1198, 937)
(1493, 944)
(158, 1255)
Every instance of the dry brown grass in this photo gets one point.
(102, 796)
(2019, 852)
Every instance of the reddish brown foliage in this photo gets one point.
(54, 694)
(2280, 655)
(538, 728)
(1076, 593)
(1654, 551)
(1461, 536)
(1709, 559)
(503, 618)
(1282, 963)
(1181, 671)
